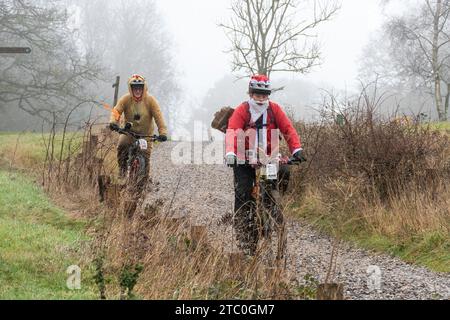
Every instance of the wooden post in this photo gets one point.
(93, 142)
(116, 90)
(112, 195)
(103, 183)
(330, 291)
(90, 146)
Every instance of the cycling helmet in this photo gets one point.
(260, 84)
(137, 81)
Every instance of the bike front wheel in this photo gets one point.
(137, 171)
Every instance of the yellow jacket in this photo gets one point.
(139, 112)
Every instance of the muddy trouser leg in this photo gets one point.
(122, 153)
(283, 182)
(243, 223)
(283, 178)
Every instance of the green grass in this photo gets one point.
(430, 249)
(27, 150)
(443, 126)
(38, 242)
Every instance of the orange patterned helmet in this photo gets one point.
(137, 81)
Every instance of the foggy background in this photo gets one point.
(79, 47)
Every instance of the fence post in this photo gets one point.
(116, 90)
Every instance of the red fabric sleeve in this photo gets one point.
(237, 121)
(286, 128)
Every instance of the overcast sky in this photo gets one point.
(200, 43)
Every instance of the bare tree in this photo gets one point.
(417, 45)
(54, 76)
(267, 36)
(130, 37)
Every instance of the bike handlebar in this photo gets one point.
(291, 161)
(126, 130)
(294, 161)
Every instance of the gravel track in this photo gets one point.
(204, 193)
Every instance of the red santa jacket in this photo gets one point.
(273, 118)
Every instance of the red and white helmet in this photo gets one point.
(259, 84)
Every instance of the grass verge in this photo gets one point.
(38, 242)
(429, 247)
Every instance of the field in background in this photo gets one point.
(441, 126)
(28, 151)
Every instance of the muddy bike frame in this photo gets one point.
(136, 164)
(268, 214)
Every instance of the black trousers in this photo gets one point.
(243, 223)
(244, 180)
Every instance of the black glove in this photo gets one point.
(128, 126)
(162, 138)
(114, 126)
(299, 156)
(231, 160)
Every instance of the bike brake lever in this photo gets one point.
(293, 161)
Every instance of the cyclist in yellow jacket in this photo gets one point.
(139, 108)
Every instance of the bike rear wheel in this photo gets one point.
(246, 228)
(137, 172)
(272, 218)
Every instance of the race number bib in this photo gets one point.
(143, 144)
(271, 171)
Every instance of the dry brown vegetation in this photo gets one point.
(138, 251)
(367, 176)
(378, 181)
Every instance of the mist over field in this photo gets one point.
(79, 47)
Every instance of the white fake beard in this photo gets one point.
(257, 110)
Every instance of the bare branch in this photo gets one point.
(266, 35)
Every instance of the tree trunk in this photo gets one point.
(435, 62)
(447, 98)
(438, 99)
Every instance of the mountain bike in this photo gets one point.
(266, 215)
(137, 166)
